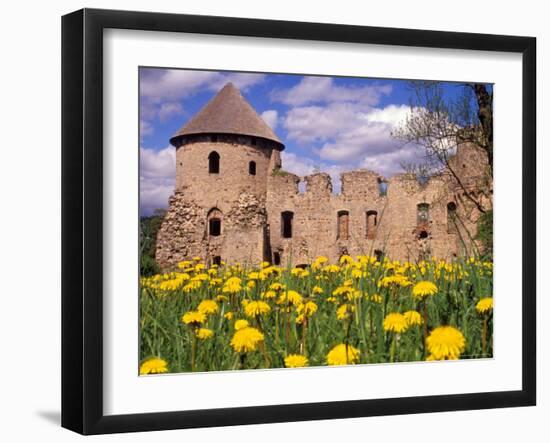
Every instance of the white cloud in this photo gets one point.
(157, 178)
(303, 166)
(349, 133)
(323, 90)
(271, 117)
(389, 163)
(145, 128)
(169, 109)
(162, 90)
(175, 84)
(296, 164)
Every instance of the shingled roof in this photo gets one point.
(228, 113)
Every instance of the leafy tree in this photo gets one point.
(485, 234)
(439, 124)
(148, 229)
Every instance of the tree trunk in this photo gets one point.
(485, 115)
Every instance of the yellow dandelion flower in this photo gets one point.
(445, 343)
(413, 318)
(197, 259)
(204, 333)
(241, 324)
(303, 274)
(208, 307)
(246, 339)
(342, 290)
(345, 311)
(201, 277)
(395, 322)
(332, 269)
(269, 294)
(170, 285)
(221, 298)
(484, 305)
(232, 285)
(153, 365)
(191, 286)
(255, 308)
(424, 289)
(343, 354)
(358, 273)
(319, 261)
(215, 282)
(229, 315)
(264, 264)
(345, 259)
(184, 264)
(277, 286)
(291, 297)
(300, 319)
(317, 290)
(193, 318)
(394, 280)
(308, 308)
(296, 361)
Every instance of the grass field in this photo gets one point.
(357, 311)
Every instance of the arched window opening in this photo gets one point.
(286, 224)
(343, 225)
(252, 168)
(451, 217)
(423, 234)
(276, 258)
(217, 260)
(215, 227)
(214, 163)
(372, 223)
(214, 222)
(422, 214)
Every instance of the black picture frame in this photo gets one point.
(82, 218)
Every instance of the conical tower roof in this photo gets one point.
(228, 113)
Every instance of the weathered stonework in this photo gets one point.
(249, 205)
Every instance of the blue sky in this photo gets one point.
(329, 123)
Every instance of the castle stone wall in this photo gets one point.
(251, 208)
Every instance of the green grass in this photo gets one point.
(164, 335)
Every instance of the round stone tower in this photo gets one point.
(224, 156)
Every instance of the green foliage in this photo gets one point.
(485, 234)
(148, 229)
(280, 172)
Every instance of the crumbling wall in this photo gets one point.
(252, 207)
(398, 232)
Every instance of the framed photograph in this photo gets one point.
(269, 221)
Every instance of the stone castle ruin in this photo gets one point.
(233, 202)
